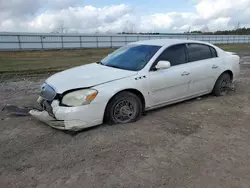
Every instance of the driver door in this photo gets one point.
(167, 85)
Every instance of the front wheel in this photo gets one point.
(222, 85)
(125, 107)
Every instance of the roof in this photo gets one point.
(167, 42)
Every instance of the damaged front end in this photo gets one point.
(47, 95)
(64, 117)
(62, 121)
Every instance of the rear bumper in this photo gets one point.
(236, 69)
(236, 73)
(71, 118)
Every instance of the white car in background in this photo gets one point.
(135, 78)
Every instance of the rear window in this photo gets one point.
(213, 51)
(198, 52)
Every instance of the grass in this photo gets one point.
(35, 63)
(241, 49)
(21, 64)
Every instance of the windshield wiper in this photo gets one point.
(114, 66)
(100, 63)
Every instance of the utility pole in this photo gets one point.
(237, 26)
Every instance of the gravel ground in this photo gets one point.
(199, 143)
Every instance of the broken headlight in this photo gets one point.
(79, 97)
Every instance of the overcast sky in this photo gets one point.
(111, 16)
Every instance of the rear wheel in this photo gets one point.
(222, 85)
(125, 107)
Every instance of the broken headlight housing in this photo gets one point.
(79, 97)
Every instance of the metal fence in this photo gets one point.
(35, 41)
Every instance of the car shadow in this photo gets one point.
(150, 112)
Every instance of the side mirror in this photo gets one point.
(163, 65)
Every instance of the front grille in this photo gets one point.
(46, 105)
(47, 92)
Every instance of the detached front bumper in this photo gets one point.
(44, 117)
(71, 118)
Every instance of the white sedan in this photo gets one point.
(135, 78)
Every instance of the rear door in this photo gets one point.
(203, 62)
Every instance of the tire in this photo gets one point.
(222, 85)
(125, 107)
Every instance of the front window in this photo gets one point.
(176, 55)
(131, 57)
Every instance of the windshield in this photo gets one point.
(131, 57)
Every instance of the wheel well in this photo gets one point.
(138, 94)
(230, 73)
(134, 91)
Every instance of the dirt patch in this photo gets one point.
(197, 143)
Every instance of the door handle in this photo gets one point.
(215, 66)
(185, 73)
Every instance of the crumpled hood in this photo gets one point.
(86, 76)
